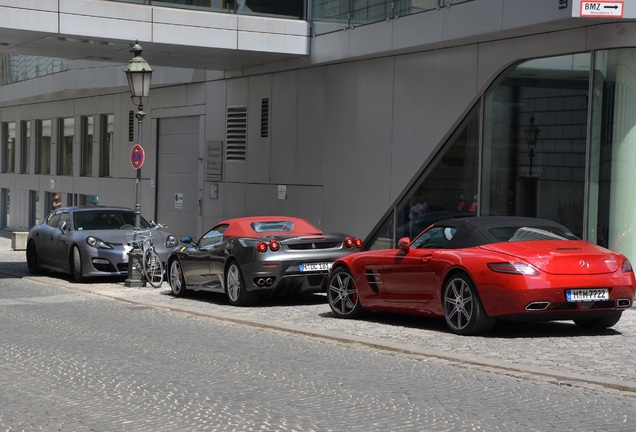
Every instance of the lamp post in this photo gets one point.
(532, 133)
(138, 74)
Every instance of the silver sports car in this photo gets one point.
(89, 241)
(246, 257)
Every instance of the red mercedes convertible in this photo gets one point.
(473, 271)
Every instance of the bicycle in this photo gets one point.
(151, 265)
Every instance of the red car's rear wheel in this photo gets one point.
(464, 313)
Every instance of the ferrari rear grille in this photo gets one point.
(313, 245)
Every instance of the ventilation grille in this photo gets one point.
(264, 118)
(131, 126)
(236, 130)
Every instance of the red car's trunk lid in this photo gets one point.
(561, 257)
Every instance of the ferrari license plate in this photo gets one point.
(583, 295)
(308, 267)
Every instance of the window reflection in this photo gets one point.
(544, 178)
(447, 188)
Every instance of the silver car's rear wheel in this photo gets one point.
(342, 294)
(463, 310)
(177, 281)
(77, 265)
(32, 258)
(235, 289)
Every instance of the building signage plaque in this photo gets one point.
(214, 161)
(601, 9)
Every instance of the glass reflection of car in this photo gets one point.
(415, 226)
(252, 256)
(474, 271)
(89, 241)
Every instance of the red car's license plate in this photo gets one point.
(581, 295)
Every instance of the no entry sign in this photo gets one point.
(137, 156)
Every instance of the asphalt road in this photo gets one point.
(103, 357)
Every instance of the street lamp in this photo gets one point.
(532, 133)
(138, 74)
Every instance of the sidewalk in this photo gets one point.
(558, 352)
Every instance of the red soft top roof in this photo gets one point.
(244, 227)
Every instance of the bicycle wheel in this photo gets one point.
(153, 268)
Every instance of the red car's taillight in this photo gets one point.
(274, 245)
(513, 268)
(627, 266)
(261, 247)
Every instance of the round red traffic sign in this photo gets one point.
(137, 156)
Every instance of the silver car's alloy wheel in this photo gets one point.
(342, 294)
(235, 289)
(233, 283)
(177, 283)
(463, 310)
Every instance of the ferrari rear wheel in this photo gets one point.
(342, 294)
(464, 313)
(235, 289)
(600, 323)
(77, 265)
(176, 279)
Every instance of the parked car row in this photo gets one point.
(469, 271)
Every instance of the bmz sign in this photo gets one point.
(602, 9)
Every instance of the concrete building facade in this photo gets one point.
(373, 129)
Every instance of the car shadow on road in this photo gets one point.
(502, 329)
(263, 302)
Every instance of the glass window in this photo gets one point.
(434, 238)
(6, 205)
(25, 146)
(213, 236)
(55, 198)
(441, 191)
(534, 145)
(53, 219)
(8, 147)
(34, 208)
(88, 200)
(66, 132)
(612, 213)
(86, 147)
(106, 144)
(43, 147)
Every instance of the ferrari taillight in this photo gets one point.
(273, 245)
(627, 266)
(353, 242)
